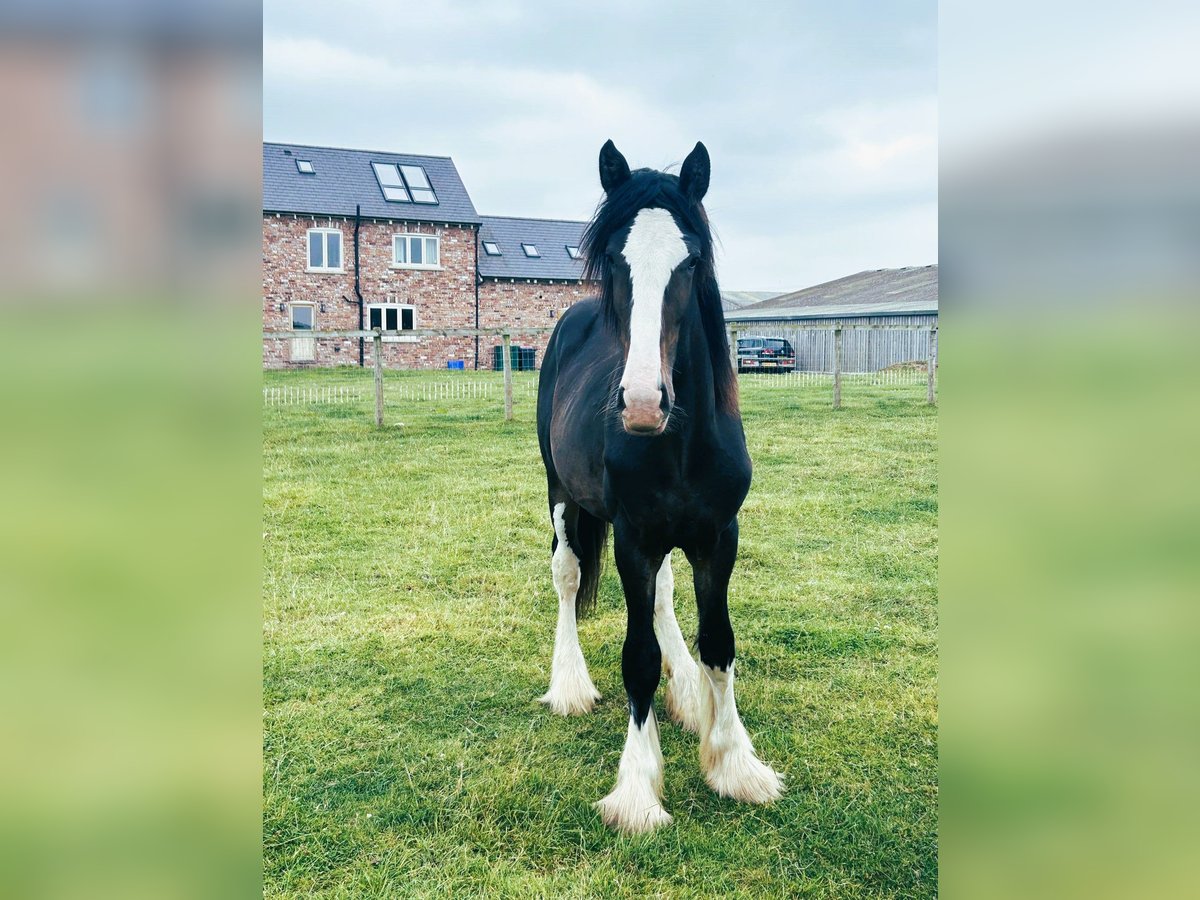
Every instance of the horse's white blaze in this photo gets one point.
(635, 804)
(653, 249)
(730, 765)
(571, 689)
(683, 685)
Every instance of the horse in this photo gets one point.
(639, 429)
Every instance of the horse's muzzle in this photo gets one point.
(643, 412)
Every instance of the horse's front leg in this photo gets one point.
(683, 678)
(635, 804)
(730, 765)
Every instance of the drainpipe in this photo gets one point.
(477, 280)
(357, 284)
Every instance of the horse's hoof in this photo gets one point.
(566, 703)
(740, 775)
(632, 812)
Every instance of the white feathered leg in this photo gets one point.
(635, 804)
(727, 757)
(683, 676)
(571, 689)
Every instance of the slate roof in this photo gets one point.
(550, 236)
(912, 289)
(343, 178)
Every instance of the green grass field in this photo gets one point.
(408, 625)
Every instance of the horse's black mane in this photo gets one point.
(648, 188)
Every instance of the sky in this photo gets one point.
(820, 118)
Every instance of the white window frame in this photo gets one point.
(437, 243)
(487, 252)
(399, 307)
(536, 254)
(578, 254)
(324, 251)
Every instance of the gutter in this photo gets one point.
(478, 279)
(358, 286)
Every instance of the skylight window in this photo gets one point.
(390, 182)
(404, 184)
(305, 167)
(491, 248)
(530, 249)
(573, 251)
(418, 184)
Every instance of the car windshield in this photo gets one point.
(749, 342)
(776, 345)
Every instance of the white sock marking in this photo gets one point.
(730, 765)
(683, 684)
(571, 689)
(635, 804)
(653, 249)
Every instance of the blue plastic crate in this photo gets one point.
(456, 364)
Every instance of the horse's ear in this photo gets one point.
(614, 171)
(693, 177)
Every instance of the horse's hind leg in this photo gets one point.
(731, 767)
(635, 803)
(683, 678)
(571, 689)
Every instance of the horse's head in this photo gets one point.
(651, 248)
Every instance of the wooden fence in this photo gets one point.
(377, 335)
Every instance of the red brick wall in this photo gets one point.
(504, 304)
(443, 299)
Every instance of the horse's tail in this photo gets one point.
(591, 534)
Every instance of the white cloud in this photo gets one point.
(817, 171)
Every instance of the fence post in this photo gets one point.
(733, 333)
(377, 349)
(507, 377)
(837, 368)
(931, 365)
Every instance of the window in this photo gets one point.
(324, 250)
(305, 167)
(390, 183)
(530, 249)
(418, 184)
(404, 184)
(415, 251)
(393, 317)
(573, 251)
(491, 248)
(302, 317)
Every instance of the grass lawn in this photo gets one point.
(408, 626)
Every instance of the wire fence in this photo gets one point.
(827, 369)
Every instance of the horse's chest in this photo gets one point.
(681, 505)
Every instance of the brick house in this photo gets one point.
(359, 239)
(530, 270)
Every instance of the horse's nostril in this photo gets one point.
(620, 399)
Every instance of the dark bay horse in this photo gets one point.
(639, 427)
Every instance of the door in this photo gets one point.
(304, 349)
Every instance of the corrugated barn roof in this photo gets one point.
(912, 289)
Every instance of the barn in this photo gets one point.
(906, 299)
(357, 239)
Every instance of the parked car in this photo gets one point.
(764, 354)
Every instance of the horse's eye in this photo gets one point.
(695, 261)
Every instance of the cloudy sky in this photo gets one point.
(821, 118)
